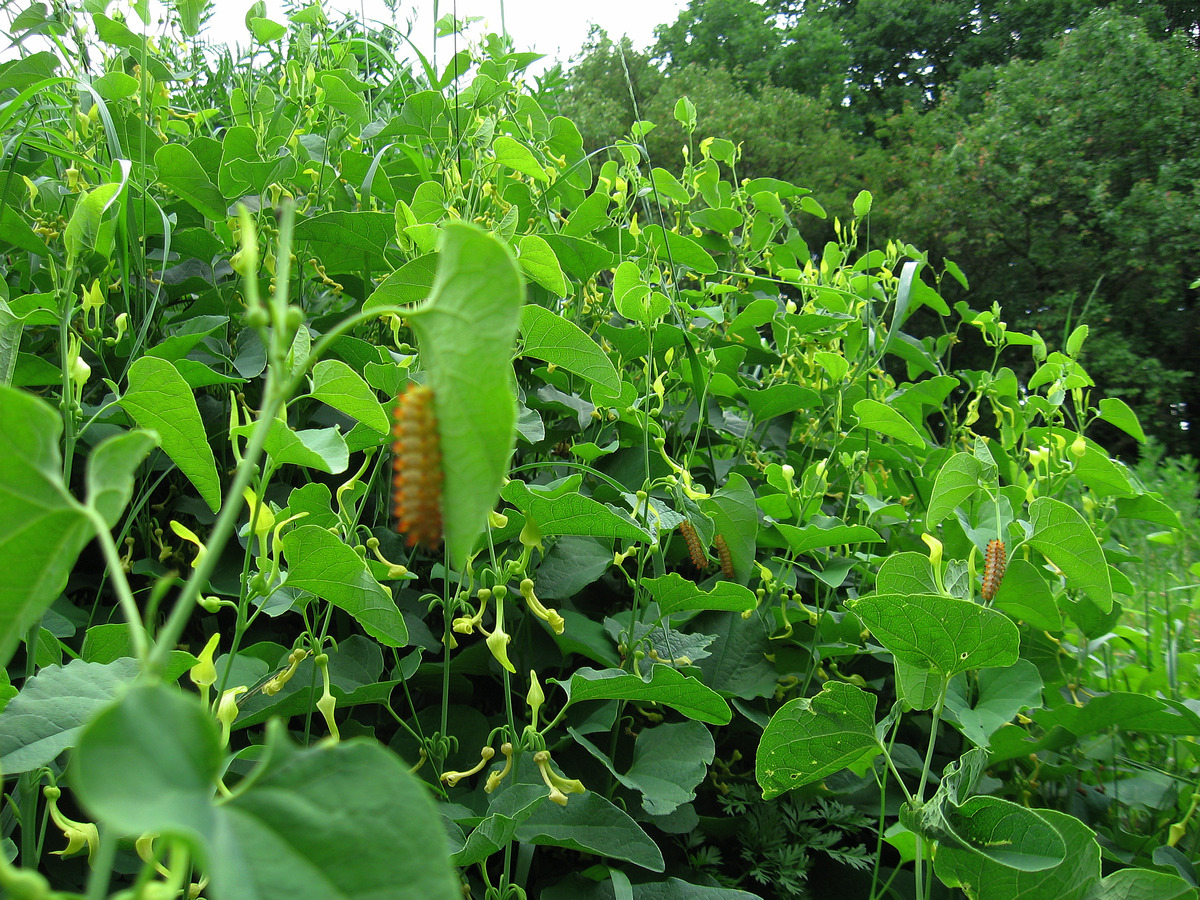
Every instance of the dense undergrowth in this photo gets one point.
(744, 589)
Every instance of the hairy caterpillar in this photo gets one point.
(993, 568)
(693, 544)
(724, 556)
(417, 468)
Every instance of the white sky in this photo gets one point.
(556, 28)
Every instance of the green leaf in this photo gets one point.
(943, 633)
(677, 250)
(466, 332)
(907, 572)
(1131, 712)
(666, 685)
(590, 824)
(825, 532)
(1002, 693)
(147, 764)
(539, 263)
(341, 387)
(956, 483)
(674, 593)
(548, 336)
(181, 172)
(633, 297)
(1024, 595)
(45, 718)
(573, 514)
(1142, 884)
(1063, 537)
(87, 230)
(355, 232)
(110, 472)
(669, 760)
(512, 153)
(42, 528)
(998, 830)
(506, 813)
(882, 418)
(344, 820)
(985, 879)
(323, 449)
(1117, 412)
(323, 564)
(734, 513)
(812, 737)
(160, 400)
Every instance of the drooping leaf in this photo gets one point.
(1062, 535)
(466, 333)
(42, 528)
(160, 400)
(550, 337)
(323, 564)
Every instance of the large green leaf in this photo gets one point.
(956, 482)
(341, 387)
(466, 333)
(541, 265)
(110, 472)
(572, 513)
(149, 764)
(674, 593)
(882, 418)
(325, 565)
(159, 399)
(42, 528)
(1062, 535)
(668, 762)
(562, 343)
(935, 632)
(666, 685)
(985, 879)
(180, 171)
(1002, 693)
(734, 512)
(812, 737)
(45, 718)
(590, 824)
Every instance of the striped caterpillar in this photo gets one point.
(993, 568)
(417, 468)
(693, 544)
(724, 555)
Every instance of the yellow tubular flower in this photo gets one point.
(559, 786)
(78, 834)
(453, 778)
(275, 685)
(494, 779)
(327, 702)
(204, 672)
(549, 616)
(497, 641)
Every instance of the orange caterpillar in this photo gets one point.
(693, 544)
(993, 569)
(724, 556)
(417, 468)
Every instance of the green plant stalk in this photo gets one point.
(137, 628)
